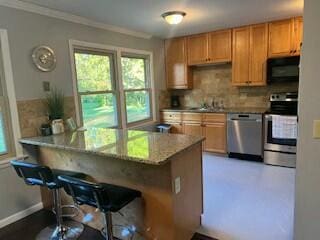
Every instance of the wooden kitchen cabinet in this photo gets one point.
(220, 46)
(198, 49)
(194, 129)
(240, 56)
(178, 74)
(213, 126)
(215, 134)
(298, 29)
(250, 53)
(258, 55)
(174, 119)
(213, 47)
(214, 129)
(192, 123)
(285, 37)
(176, 127)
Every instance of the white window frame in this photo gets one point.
(13, 117)
(119, 51)
(147, 88)
(113, 72)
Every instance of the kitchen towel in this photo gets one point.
(284, 127)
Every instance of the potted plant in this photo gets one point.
(55, 106)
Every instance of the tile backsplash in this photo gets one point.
(32, 114)
(214, 83)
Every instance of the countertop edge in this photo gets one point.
(224, 111)
(131, 159)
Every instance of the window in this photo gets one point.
(96, 88)
(6, 144)
(113, 86)
(136, 86)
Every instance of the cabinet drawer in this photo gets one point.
(171, 116)
(192, 117)
(214, 117)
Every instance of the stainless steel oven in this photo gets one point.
(282, 150)
(277, 144)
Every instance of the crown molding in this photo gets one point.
(29, 7)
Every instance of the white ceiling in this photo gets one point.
(202, 15)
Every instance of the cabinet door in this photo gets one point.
(198, 49)
(258, 54)
(177, 72)
(298, 33)
(176, 128)
(240, 56)
(193, 129)
(220, 45)
(215, 134)
(281, 38)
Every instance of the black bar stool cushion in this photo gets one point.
(58, 172)
(106, 197)
(118, 197)
(35, 174)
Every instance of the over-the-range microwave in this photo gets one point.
(283, 69)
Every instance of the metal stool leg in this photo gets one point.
(69, 230)
(107, 230)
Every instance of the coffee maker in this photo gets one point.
(175, 101)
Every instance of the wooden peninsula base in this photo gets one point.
(166, 211)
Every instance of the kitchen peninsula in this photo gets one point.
(166, 168)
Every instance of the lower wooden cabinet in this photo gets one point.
(194, 129)
(176, 128)
(215, 134)
(212, 126)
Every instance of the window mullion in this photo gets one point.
(121, 93)
(137, 90)
(96, 92)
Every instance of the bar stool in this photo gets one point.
(106, 197)
(34, 174)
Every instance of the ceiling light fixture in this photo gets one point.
(173, 17)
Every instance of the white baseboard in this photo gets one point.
(19, 215)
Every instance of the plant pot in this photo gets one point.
(57, 126)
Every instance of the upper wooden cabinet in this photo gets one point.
(246, 47)
(198, 49)
(178, 74)
(258, 55)
(298, 30)
(285, 37)
(214, 47)
(240, 63)
(250, 51)
(219, 46)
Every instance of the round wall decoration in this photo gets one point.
(44, 58)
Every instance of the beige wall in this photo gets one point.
(26, 31)
(214, 82)
(307, 209)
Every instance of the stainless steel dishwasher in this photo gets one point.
(245, 136)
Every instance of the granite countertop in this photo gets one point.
(139, 146)
(224, 110)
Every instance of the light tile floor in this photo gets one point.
(246, 200)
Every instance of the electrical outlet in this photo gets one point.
(46, 86)
(177, 185)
